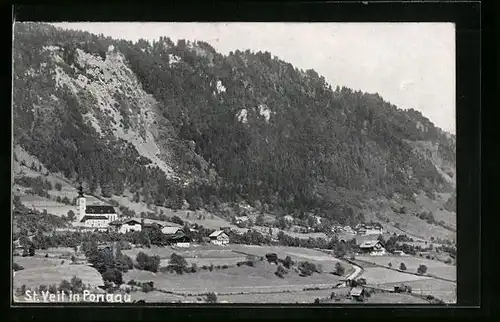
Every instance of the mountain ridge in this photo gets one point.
(181, 121)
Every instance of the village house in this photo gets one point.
(176, 236)
(357, 293)
(376, 229)
(124, 226)
(289, 218)
(94, 216)
(219, 237)
(373, 247)
(241, 219)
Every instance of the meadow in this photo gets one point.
(434, 267)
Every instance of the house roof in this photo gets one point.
(85, 218)
(216, 233)
(100, 210)
(369, 244)
(127, 221)
(356, 291)
(170, 230)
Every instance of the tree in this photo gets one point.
(211, 298)
(422, 269)
(280, 271)
(402, 267)
(390, 264)
(178, 262)
(113, 275)
(58, 186)
(31, 250)
(339, 269)
(259, 220)
(288, 262)
(71, 215)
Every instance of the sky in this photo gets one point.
(411, 65)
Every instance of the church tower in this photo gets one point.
(80, 203)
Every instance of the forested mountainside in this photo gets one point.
(180, 121)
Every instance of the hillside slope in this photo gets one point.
(181, 121)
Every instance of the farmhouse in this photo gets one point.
(94, 216)
(376, 229)
(125, 225)
(241, 219)
(219, 237)
(373, 247)
(357, 293)
(176, 236)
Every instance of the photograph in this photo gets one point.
(234, 162)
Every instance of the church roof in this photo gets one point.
(85, 218)
(100, 210)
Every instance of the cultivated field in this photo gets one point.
(434, 267)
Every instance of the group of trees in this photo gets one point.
(315, 140)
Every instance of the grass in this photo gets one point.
(233, 279)
(36, 262)
(443, 290)
(434, 267)
(36, 276)
(380, 275)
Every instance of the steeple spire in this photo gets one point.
(80, 191)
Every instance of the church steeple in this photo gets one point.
(80, 203)
(80, 192)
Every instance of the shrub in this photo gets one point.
(316, 301)
(422, 269)
(42, 288)
(16, 267)
(58, 186)
(147, 287)
(402, 267)
(132, 282)
(224, 266)
(390, 264)
(46, 255)
(211, 298)
(307, 268)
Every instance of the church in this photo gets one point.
(93, 216)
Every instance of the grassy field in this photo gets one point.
(233, 279)
(287, 297)
(36, 262)
(443, 290)
(380, 275)
(434, 267)
(36, 276)
(394, 298)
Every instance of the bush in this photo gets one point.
(224, 266)
(211, 267)
(58, 186)
(307, 268)
(16, 267)
(422, 269)
(42, 288)
(132, 282)
(390, 264)
(147, 287)
(316, 301)
(46, 255)
(402, 267)
(211, 298)
(194, 268)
